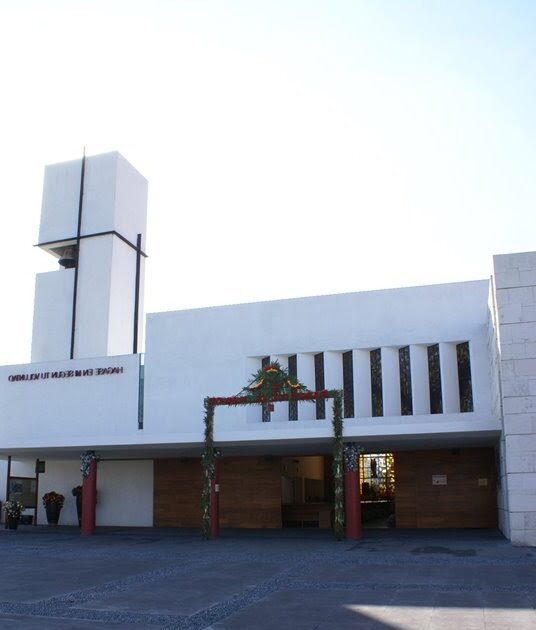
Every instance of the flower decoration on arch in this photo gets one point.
(272, 382)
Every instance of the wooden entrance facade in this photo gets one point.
(251, 494)
(446, 488)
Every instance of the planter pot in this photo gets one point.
(13, 522)
(53, 513)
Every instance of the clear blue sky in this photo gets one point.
(292, 148)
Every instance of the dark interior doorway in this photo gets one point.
(307, 491)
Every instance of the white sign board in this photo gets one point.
(439, 480)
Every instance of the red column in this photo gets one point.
(36, 491)
(89, 500)
(215, 501)
(352, 502)
(8, 485)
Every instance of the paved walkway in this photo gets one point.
(299, 579)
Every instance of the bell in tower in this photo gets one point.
(68, 258)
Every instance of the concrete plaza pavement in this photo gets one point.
(299, 579)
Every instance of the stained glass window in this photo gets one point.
(348, 383)
(293, 371)
(266, 416)
(377, 476)
(376, 382)
(434, 379)
(319, 385)
(464, 377)
(406, 401)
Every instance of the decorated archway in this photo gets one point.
(270, 384)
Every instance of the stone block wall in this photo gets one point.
(515, 296)
(503, 515)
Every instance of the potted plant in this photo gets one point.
(53, 502)
(77, 493)
(13, 511)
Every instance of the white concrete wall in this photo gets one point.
(191, 354)
(449, 377)
(51, 337)
(62, 477)
(333, 378)
(98, 212)
(515, 282)
(130, 217)
(79, 410)
(124, 491)
(420, 384)
(141, 307)
(305, 368)
(494, 352)
(115, 199)
(390, 381)
(59, 209)
(362, 383)
(93, 298)
(104, 309)
(122, 297)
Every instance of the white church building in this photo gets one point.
(439, 387)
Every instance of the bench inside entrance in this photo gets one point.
(307, 515)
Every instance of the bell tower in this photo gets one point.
(93, 220)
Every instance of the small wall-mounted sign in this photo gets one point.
(482, 482)
(439, 480)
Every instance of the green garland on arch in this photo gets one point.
(270, 382)
(337, 422)
(207, 462)
(277, 393)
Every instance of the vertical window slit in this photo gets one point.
(376, 382)
(348, 383)
(464, 377)
(266, 415)
(434, 379)
(293, 372)
(406, 400)
(319, 385)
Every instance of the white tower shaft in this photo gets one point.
(93, 219)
